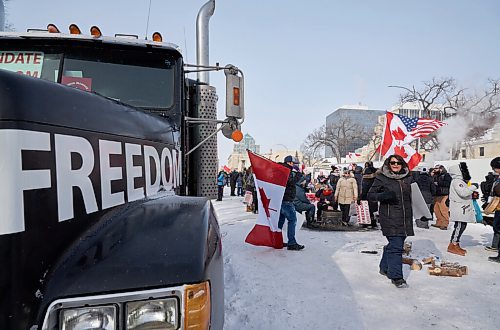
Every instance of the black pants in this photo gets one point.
(255, 202)
(220, 190)
(233, 187)
(458, 230)
(392, 258)
(322, 206)
(345, 212)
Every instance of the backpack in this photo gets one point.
(487, 185)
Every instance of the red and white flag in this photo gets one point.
(227, 169)
(270, 183)
(353, 154)
(397, 136)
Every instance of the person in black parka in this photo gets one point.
(392, 189)
(428, 189)
(366, 183)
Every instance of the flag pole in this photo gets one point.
(383, 135)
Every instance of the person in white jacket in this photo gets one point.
(461, 207)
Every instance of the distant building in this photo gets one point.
(248, 142)
(414, 109)
(361, 115)
(239, 157)
(487, 146)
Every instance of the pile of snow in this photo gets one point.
(332, 285)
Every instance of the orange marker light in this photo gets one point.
(236, 96)
(52, 28)
(95, 31)
(74, 29)
(237, 136)
(157, 37)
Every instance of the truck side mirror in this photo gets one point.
(234, 93)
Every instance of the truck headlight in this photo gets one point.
(152, 314)
(102, 318)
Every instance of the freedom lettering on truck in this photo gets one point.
(104, 172)
(28, 63)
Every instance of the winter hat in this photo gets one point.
(495, 162)
(465, 171)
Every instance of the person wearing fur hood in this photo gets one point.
(392, 188)
(461, 207)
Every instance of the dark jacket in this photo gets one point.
(426, 186)
(395, 215)
(325, 198)
(358, 175)
(367, 182)
(301, 201)
(442, 183)
(290, 192)
(332, 180)
(233, 177)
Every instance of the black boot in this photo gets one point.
(495, 259)
(494, 243)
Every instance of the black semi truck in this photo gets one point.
(108, 161)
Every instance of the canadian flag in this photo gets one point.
(395, 141)
(353, 154)
(270, 183)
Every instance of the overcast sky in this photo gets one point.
(304, 59)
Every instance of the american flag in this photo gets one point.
(420, 127)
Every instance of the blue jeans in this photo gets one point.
(496, 222)
(288, 211)
(392, 258)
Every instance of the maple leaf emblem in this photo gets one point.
(265, 202)
(398, 134)
(400, 150)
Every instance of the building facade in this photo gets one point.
(239, 157)
(362, 116)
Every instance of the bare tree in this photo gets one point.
(310, 155)
(442, 96)
(4, 25)
(338, 137)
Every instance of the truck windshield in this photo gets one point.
(139, 78)
(127, 81)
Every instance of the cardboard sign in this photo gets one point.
(28, 63)
(363, 213)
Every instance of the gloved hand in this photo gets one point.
(388, 197)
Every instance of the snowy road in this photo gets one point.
(331, 285)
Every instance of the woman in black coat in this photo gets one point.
(392, 189)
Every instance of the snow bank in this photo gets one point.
(331, 285)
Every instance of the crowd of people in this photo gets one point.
(449, 195)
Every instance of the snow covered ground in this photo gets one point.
(331, 285)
